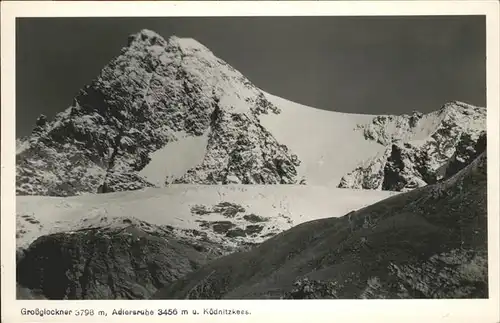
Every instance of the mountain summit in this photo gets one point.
(163, 110)
(169, 111)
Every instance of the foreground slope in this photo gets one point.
(427, 243)
(127, 245)
(129, 260)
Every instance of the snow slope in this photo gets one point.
(175, 159)
(327, 143)
(317, 137)
(267, 209)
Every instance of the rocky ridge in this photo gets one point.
(156, 92)
(420, 149)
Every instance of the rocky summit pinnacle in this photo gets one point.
(156, 93)
(147, 37)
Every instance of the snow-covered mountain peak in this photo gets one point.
(196, 66)
(464, 116)
(156, 97)
(167, 110)
(420, 148)
(460, 106)
(387, 129)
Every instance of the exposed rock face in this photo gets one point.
(130, 261)
(467, 150)
(427, 243)
(156, 92)
(419, 147)
(250, 155)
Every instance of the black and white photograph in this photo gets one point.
(251, 158)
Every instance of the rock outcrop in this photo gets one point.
(130, 260)
(420, 148)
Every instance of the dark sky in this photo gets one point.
(376, 65)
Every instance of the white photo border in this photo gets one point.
(261, 310)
